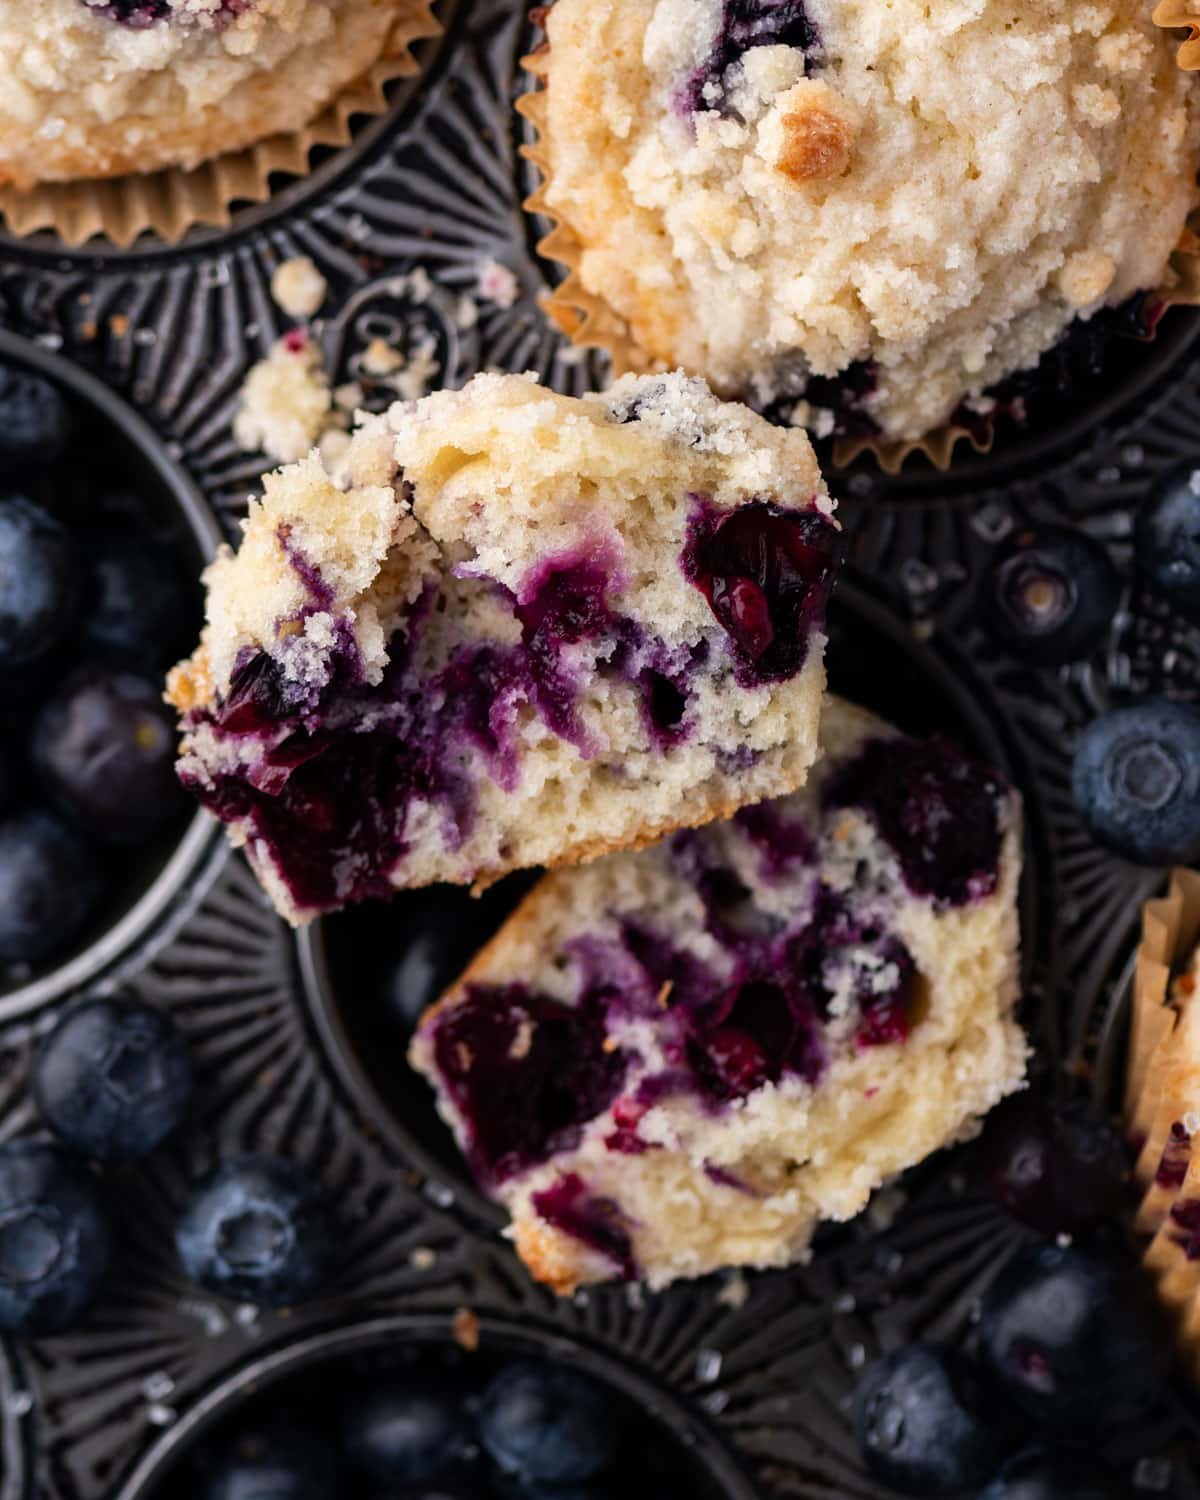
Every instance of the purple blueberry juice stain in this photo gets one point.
(938, 811)
(525, 1072)
(1176, 1157)
(593, 1220)
(782, 843)
(138, 14)
(319, 592)
(723, 1177)
(301, 702)
(766, 573)
(1186, 1216)
(746, 24)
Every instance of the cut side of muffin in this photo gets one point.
(524, 630)
(685, 1058)
(862, 216)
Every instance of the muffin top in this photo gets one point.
(96, 88)
(768, 190)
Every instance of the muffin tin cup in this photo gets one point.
(681, 1424)
(437, 183)
(169, 203)
(200, 851)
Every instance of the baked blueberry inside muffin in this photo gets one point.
(684, 1058)
(529, 629)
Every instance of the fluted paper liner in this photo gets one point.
(170, 202)
(588, 320)
(1178, 15)
(1162, 1099)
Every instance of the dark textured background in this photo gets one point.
(760, 1390)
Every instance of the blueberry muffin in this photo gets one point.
(98, 88)
(867, 214)
(684, 1058)
(528, 629)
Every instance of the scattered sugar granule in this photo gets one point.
(734, 1292)
(413, 380)
(285, 401)
(423, 1258)
(379, 358)
(298, 287)
(497, 284)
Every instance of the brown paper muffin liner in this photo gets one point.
(170, 202)
(1180, 15)
(1162, 1102)
(588, 320)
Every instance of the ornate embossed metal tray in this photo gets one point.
(297, 1046)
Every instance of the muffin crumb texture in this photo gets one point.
(517, 629)
(924, 195)
(685, 1058)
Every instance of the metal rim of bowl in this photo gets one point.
(201, 834)
(524, 1339)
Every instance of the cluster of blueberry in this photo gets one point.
(1052, 595)
(112, 1081)
(1059, 1392)
(92, 608)
(534, 1431)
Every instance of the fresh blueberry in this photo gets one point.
(49, 887)
(133, 600)
(1051, 594)
(37, 583)
(274, 1464)
(105, 746)
(405, 1434)
(1077, 1341)
(1053, 1163)
(113, 1079)
(1136, 781)
(916, 1427)
(1166, 537)
(1050, 1476)
(34, 421)
(259, 1229)
(547, 1424)
(54, 1239)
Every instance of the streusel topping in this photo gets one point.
(767, 189)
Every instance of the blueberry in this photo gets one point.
(133, 600)
(547, 1424)
(34, 421)
(405, 1434)
(916, 1427)
(113, 1079)
(1077, 1341)
(1136, 781)
(275, 1464)
(1051, 594)
(1053, 1163)
(1166, 537)
(49, 887)
(259, 1229)
(54, 1239)
(37, 583)
(105, 746)
(1049, 1476)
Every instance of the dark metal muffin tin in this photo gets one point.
(286, 1037)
